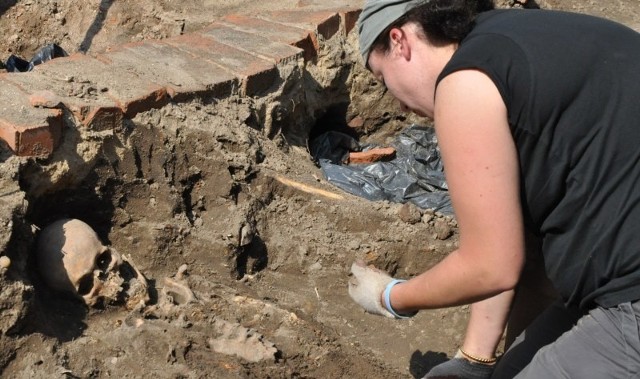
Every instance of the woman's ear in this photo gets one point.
(400, 42)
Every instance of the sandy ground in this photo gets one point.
(247, 271)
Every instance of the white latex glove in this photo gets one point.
(366, 287)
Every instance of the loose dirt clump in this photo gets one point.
(245, 247)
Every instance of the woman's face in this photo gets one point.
(409, 69)
(393, 74)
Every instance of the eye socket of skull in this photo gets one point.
(85, 284)
(103, 261)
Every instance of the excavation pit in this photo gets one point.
(244, 244)
(213, 194)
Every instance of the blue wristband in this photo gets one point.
(387, 301)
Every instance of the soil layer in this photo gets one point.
(245, 247)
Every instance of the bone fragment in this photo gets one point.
(309, 189)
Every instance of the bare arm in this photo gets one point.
(481, 165)
(486, 325)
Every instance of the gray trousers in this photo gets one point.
(561, 343)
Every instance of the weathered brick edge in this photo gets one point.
(137, 77)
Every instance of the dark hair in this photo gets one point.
(443, 21)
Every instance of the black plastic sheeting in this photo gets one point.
(46, 53)
(415, 174)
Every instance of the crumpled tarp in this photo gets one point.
(415, 174)
(46, 53)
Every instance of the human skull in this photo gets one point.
(71, 259)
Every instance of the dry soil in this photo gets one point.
(247, 270)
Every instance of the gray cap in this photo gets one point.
(376, 16)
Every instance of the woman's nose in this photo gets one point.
(404, 108)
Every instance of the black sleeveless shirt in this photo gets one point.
(571, 85)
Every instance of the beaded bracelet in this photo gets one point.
(472, 358)
(387, 301)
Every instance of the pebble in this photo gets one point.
(409, 213)
(5, 262)
(353, 245)
(442, 229)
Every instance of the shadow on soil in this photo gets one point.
(5, 5)
(96, 25)
(55, 316)
(421, 363)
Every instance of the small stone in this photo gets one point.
(5, 262)
(44, 99)
(409, 213)
(356, 123)
(315, 267)
(353, 245)
(442, 228)
(371, 256)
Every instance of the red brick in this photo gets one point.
(137, 77)
(329, 4)
(103, 118)
(130, 92)
(292, 35)
(183, 75)
(372, 155)
(350, 19)
(326, 23)
(37, 83)
(258, 75)
(253, 43)
(34, 139)
(349, 10)
(28, 131)
(152, 99)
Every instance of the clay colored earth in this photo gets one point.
(245, 247)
